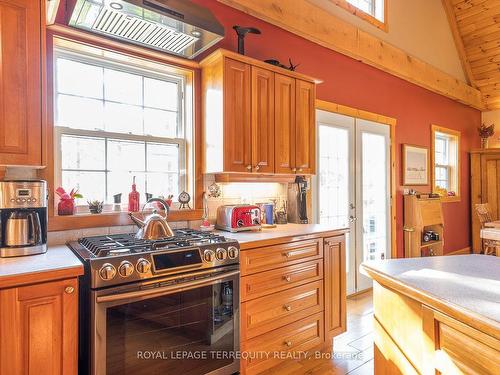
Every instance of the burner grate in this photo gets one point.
(121, 244)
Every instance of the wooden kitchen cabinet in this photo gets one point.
(284, 145)
(39, 329)
(335, 286)
(485, 175)
(305, 128)
(267, 115)
(21, 82)
(262, 115)
(292, 293)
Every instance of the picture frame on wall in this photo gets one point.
(415, 165)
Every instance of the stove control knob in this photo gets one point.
(126, 269)
(107, 271)
(208, 256)
(143, 266)
(232, 252)
(221, 254)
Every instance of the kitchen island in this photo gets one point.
(436, 313)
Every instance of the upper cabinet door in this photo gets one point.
(237, 116)
(305, 128)
(284, 123)
(262, 120)
(20, 82)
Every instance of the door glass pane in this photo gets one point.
(374, 194)
(193, 330)
(333, 176)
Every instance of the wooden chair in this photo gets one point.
(490, 247)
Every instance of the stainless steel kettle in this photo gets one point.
(23, 229)
(154, 226)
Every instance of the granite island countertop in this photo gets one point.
(467, 284)
(57, 263)
(270, 236)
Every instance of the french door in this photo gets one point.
(353, 188)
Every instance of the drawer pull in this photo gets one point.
(287, 307)
(69, 290)
(288, 343)
(289, 254)
(287, 278)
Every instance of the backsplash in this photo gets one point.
(244, 193)
(61, 237)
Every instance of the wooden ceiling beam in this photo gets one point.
(459, 44)
(315, 24)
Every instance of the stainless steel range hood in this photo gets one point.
(174, 26)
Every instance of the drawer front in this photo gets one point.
(295, 337)
(264, 314)
(468, 354)
(267, 258)
(264, 283)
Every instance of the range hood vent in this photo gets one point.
(174, 26)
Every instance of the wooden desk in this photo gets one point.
(493, 224)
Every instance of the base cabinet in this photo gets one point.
(39, 329)
(293, 299)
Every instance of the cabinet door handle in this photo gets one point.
(287, 278)
(257, 167)
(294, 170)
(300, 169)
(69, 290)
(249, 167)
(287, 307)
(288, 343)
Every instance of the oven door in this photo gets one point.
(171, 326)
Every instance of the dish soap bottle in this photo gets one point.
(133, 198)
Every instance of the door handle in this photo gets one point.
(352, 219)
(352, 206)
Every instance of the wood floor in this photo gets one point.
(352, 351)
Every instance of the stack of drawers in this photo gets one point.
(282, 300)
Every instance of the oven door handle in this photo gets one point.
(163, 290)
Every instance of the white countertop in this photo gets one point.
(57, 262)
(248, 239)
(470, 282)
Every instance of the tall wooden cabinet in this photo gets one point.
(485, 188)
(258, 118)
(39, 329)
(20, 82)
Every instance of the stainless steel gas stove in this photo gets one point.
(143, 302)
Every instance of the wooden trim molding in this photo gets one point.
(319, 26)
(375, 117)
(454, 133)
(344, 4)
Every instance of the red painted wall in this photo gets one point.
(349, 82)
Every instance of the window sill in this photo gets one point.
(110, 219)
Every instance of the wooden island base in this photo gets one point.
(417, 333)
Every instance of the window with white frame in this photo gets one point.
(446, 162)
(114, 121)
(374, 8)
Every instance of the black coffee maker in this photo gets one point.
(23, 217)
(297, 201)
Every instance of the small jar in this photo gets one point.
(66, 207)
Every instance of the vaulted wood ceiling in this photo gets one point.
(476, 28)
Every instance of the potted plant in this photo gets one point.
(95, 206)
(485, 132)
(66, 205)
